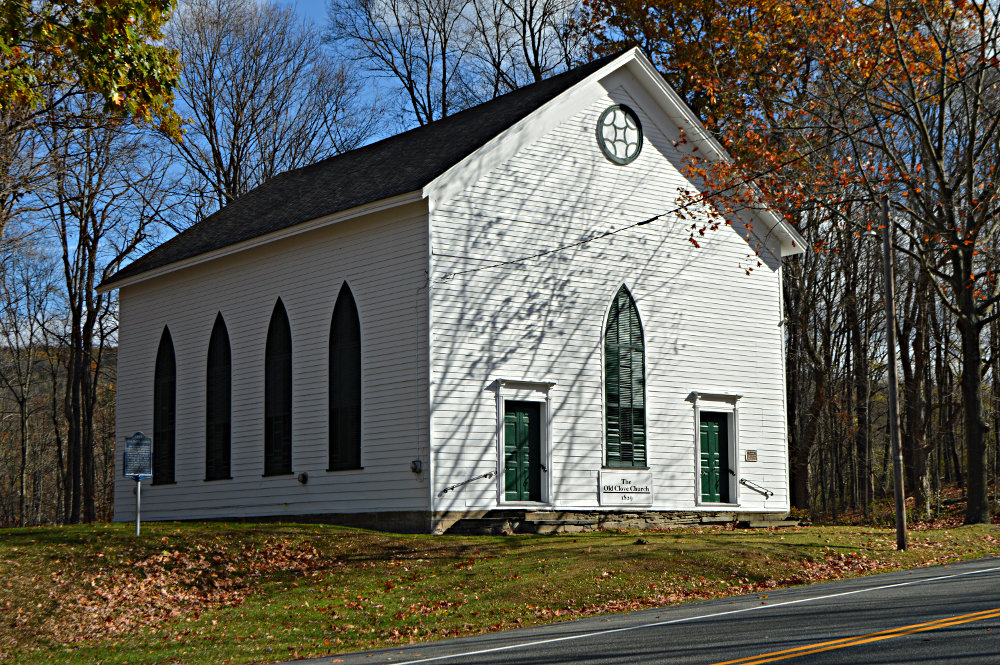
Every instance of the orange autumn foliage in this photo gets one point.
(772, 81)
(829, 106)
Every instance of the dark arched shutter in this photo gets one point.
(345, 383)
(278, 394)
(218, 399)
(164, 410)
(625, 384)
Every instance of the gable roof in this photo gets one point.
(406, 167)
(393, 166)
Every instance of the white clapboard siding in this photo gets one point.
(708, 325)
(383, 257)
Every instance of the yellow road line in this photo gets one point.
(862, 639)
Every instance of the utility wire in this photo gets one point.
(703, 197)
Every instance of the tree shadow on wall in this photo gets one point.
(521, 286)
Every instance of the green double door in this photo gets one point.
(522, 425)
(714, 457)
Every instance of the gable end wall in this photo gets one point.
(708, 325)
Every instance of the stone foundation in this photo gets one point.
(579, 521)
(524, 521)
(409, 521)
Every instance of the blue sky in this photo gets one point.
(314, 9)
(373, 87)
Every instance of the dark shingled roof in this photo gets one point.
(396, 165)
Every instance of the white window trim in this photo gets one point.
(539, 391)
(718, 402)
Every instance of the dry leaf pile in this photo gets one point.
(170, 585)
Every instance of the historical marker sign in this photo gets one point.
(624, 488)
(138, 457)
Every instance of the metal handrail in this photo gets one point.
(488, 474)
(757, 488)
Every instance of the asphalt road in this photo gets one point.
(946, 614)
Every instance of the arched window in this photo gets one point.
(625, 384)
(278, 394)
(164, 410)
(218, 418)
(345, 383)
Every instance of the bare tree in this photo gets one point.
(419, 44)
(26, 285)
(516, 42)
(262, 96)
(447, 55)
(929, 139)
(107, 192)
(542, 34)
(22, 168)
(492, 60)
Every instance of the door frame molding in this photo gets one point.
(726, 403)
(521, 390)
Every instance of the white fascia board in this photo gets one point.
(544, 119)
(792, 242)
(507, 143)
(645, 72)
(670, 102)
(303, 227)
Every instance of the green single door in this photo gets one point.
(522, 426)
(714, 457)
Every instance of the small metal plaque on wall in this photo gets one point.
(751, 456)
(624, 487)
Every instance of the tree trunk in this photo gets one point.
(914, 351)
(978, 506)
(73, 439)
(803, 449)
(862, 394)
(995, 401)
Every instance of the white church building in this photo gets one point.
(467, 321)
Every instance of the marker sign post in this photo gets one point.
(138, 466)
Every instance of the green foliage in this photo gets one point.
(107, 47)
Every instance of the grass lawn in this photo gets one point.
(257, 593)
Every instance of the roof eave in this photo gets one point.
(445, 182)
(791, 240)
(671, 101)
(640, 66)
(303, 227)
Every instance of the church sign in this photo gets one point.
(138, 465)
(138, 457)
(623, 487)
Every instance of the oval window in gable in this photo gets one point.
(619, 134)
